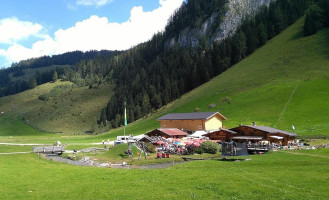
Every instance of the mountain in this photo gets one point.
(283, 83)
(220, 22)
(153, 74)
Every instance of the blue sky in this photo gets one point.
(46, 27)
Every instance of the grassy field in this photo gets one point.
(277, 175)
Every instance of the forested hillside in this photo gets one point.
(71, 66)
(152, 75)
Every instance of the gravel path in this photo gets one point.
(16, 144)
(10, 153)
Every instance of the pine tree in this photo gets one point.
(313, 20)
(33, 83)
(55, 76)
(103, 116)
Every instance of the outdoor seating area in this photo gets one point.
(175, 145)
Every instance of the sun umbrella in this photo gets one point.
(176, 143)
(188, 142)
(181, 144)
(196, 144)
(160, 142)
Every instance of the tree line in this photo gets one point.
(317, 17)
(72, 66)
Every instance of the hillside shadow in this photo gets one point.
(234, 159)
(296, 36)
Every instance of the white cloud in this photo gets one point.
(13, 30)
(97, 3)
(96, 33)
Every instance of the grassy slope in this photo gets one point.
(75, 111)
(261, 85)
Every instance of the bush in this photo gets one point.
(199, 151)
(150, 148)
(209, 147)
(191, 149)
(44, 97)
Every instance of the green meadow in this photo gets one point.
(277, 175)
(284, 83)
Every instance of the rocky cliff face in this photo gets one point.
(236, 11)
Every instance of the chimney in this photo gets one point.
(253, 123)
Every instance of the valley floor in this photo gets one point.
(276, 175)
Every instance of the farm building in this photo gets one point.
(222, 134)
(167, 133)
(257, 133)
(191, 122)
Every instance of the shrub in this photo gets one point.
(150, 148)
(209, 147)
(199, 151)
(191, 149)
(44, 97)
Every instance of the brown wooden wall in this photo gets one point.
(186, 125)
(248, 131)
(220, 135)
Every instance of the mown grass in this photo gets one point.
(276, 175)
(11, 149)
(16, 127)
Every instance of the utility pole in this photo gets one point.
(125, 115)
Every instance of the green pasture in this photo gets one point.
(277, 175)
(16, 127)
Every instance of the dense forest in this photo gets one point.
(152, 74)
(75, 59)
(317, 17)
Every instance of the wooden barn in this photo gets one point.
(257, 133)
(191, 122)
(167, 133)
(222, 134)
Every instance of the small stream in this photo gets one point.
(57, 158)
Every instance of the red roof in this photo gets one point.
(172, 131)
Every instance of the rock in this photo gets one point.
(237, 11)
